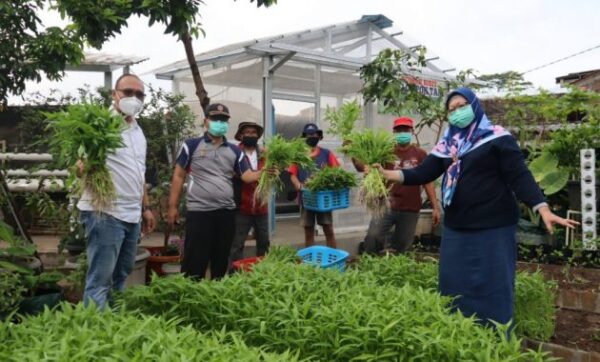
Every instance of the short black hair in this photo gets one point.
(127, 75)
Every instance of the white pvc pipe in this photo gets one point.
(39, 173)
(25, 185)
(9, 156)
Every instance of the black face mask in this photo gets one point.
(249, 141)
(312, 141)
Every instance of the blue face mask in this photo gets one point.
(403, 138)
(218, 128)
(462, 117)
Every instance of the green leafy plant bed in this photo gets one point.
(80, 334)
(534, 297)
(23, 285)
(327, 315)
(578, 288)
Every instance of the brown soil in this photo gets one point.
(577, 330)
(567, 277)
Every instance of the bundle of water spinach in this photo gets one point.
(369, 147)
(87, 132)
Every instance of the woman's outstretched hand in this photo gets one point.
(551, 219)
(391, 175)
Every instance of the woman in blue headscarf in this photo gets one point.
(483, 170)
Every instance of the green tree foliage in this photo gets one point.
(27, 52)
(578, 110)
(510, 80)
(391, 79)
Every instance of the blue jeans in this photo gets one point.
(111, 252)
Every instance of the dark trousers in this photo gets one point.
(478, 267)
(243, 223)
(208, 238)
(405, 223)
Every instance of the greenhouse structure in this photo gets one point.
(288, 80)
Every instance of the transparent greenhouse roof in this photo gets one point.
(341, 48)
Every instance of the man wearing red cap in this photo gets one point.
(405, 201)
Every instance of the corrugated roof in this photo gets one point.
(577, 76)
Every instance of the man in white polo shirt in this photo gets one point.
(112, 234)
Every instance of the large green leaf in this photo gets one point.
(21, 250)
(6, 232)
(554, 181)
(543, 165)
(6, 265)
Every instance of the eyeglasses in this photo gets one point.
(128, 92)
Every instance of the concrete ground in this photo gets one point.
(287, 232)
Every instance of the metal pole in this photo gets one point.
(318, 95)
(108, 80)
(369, 115)
(268, 122)
(369, 51)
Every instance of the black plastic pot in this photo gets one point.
(36, 304)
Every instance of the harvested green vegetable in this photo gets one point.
(281, 154)
(342, 121)
(87, 132)
(331, 178)
(369, 147)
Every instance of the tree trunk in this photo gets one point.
(200, 91)
(438, 134)
(417, 139)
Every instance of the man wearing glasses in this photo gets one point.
(210, 163)
(112, 233)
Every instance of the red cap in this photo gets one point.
(403, 121)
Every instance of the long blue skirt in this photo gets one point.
(478, 267)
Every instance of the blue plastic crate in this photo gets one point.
(324, 257)
(326, 200)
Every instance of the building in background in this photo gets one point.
(589, 80)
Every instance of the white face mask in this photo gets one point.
(130, 106)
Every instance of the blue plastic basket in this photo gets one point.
(327, 200)
(324, 257)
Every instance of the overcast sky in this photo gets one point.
(488, 36)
